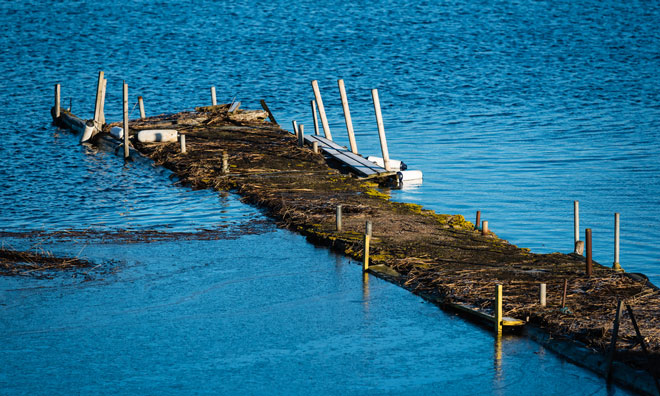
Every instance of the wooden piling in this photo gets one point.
(315, 147)
(213, 101)
(498, 309)
(105, 86)
(315, 117)
(182, 140)
(542, 295)
(126, 151)
(225, 163)
(57, 102)
(367, 240)
(338, 218)
(484, 227)
(563, 295)
(295, 127)
(97, 106)
(381, 129)
(347, 116)
(589, 263)
(579, 247)
(141, 105)
(576, 225)
(478, 221)
(301, 135)
(616, 265)
(319, 103)
(270, 115)
(368, 228)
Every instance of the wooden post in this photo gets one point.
(563, 295)
(213, 101)
(615, 335)
(57, 101)
(315, 117)
(319, 103)
(381, 129)
(542, 295)
(141, 104)
(484, 227)
(126, 151)
(338, 218)
(347, 116)
(97, 106)
(579, 247)
(225, 163)
(368, 228)
(616, 266)
(270, 115)
(498, 309)
(105, 85)
(576, 225)
(301, 135)
(476, 223)
(295, 127)
(182, 139)
(315, 147)
(589, 264)
(367, 240)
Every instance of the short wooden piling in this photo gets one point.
(542, 295)
(295, 127)
(315, 117)
(315, 147)
(367, 240)
(616, 265)
(214, 102)
(97, 106)
(576, 225)
(579, 247)
(368, 228)
(319, 103)
(141, 105)
(338, 218)
(589, 263)
(102, 116)
(478, 221)
(270, 115)
(57, 101)
(381, 129)
(225, 163)
(498, 309)
(484, 227)
(301, 135)
(182, 140)
(347, 116)
(126, 150)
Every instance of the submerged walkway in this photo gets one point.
(442, 257)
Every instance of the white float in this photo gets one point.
(88, 132)
(410, 175)
(157, 135)
(394, 164)
(117, 132)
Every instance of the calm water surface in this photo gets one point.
(512, 108)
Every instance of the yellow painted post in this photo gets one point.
(365, 263)
(498, 309)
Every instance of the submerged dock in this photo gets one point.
(443, 258)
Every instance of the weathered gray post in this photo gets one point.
(338, 218)
(97, 106)
(542, 295)
(141, 104)
(347, 116)
(315, 147)
(225, 163)
(182, 139)
(57, 101)
(270, 115)
(105, 85)
(301, 135)
(315, 118)
(213, 101)
(616, 266)
(126, 151)
(381, 129)
(319, 103)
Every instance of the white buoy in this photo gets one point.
(408, 175)
(157, 135)
(117, 132)
(394, 164)
(88, 132)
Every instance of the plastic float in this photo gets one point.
(410, 176)
(88, 132)
(157, 135)
(394, 164)
(117, 132)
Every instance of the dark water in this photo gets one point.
(512, 108)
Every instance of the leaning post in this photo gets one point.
(347, 116)
(319, 103)
(315, 117)
(381, 129)
(97, 106)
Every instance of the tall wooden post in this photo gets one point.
(213, 101)
(126, 151)
(315, 117)
(319, 103)
(589, 263)
(576, 225)
(57, 101)
(347, 116)
(102, 115)
(498, 309)
(97, 106)
(616, 265)
(381, 129)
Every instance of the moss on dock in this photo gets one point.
(439, 255)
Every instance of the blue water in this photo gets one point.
(512, 108)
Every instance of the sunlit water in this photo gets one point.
(515, 109)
